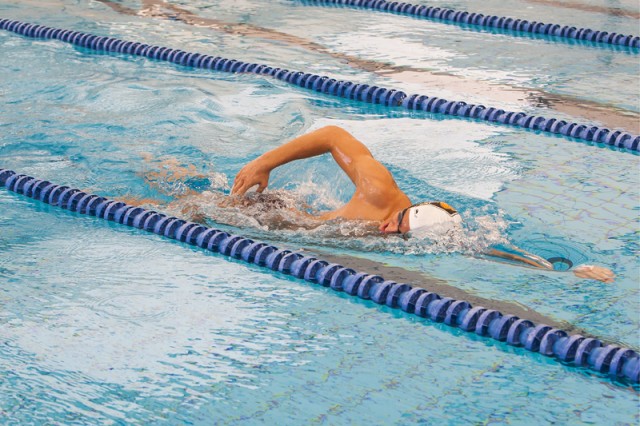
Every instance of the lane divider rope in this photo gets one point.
(617, 362)
(489, 21)
(340, 88)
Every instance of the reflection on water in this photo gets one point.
(172, 335)
(116, 325)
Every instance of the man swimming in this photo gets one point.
(377, 197)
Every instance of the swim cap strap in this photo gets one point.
(401, 216)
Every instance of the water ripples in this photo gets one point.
(101, 335)
(101, 323)
(133, 306)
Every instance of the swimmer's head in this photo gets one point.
(423, 219)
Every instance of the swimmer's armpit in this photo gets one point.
(592, 272)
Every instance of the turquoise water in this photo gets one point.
(104, 324)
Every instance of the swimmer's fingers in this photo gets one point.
(242, 184)
(243, 187)
(237, 183)
(248, 177)
(239, 187)
(262, 185)
(592, 272)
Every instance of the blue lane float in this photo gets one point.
(617, 362)
(489, 21)
(340, 88)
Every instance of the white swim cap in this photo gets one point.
(433, 216)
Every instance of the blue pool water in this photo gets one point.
(104, 324)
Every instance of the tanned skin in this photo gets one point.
(377, 196)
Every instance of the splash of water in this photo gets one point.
(291, 216)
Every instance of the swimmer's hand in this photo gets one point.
(253, 173)
(592, 272)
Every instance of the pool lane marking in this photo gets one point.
(340, 88)
(619, 363)
(503, 23)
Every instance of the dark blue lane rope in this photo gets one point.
(340, 88)
(490, 21)
(618, 362)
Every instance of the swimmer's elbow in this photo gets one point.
(332, 129)
(334, 134)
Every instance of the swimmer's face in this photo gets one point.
(397, 223)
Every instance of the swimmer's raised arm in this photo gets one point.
(347, 151)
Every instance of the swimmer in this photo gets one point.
(377, 197)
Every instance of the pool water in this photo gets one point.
(100, 323)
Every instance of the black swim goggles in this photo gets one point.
(400, 217)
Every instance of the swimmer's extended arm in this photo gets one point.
(350, 154)
(589, 272)
(523, 256)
